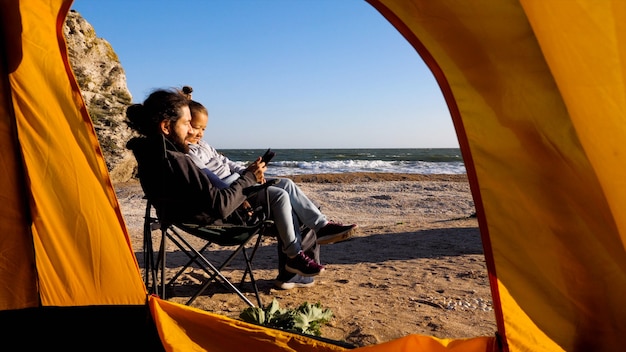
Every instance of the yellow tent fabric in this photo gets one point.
(58, 181)
(536, 93)
(17, 274)
(184, 329)
(195, 330)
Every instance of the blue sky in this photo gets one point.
(280, 73)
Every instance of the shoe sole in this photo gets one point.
(340, 237)
(296, 271)
(292, 285)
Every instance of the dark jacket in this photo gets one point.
(178, 189)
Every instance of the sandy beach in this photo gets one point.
(415, 265)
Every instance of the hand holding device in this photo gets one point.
(269, 154)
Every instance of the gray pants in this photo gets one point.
(290, 208)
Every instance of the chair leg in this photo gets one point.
(147, 262)
(204, 263)
(160, 265)
(192, 259)
(185, 247)
(217, 273)
(150, 270)
(252, 280)
(248, 270)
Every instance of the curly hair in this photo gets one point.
(160, 105)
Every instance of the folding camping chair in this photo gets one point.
(151, 152)
(237, 235)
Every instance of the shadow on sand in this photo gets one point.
(432, 243)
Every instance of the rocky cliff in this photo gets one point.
(103, 85)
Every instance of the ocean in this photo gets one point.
(320, 161)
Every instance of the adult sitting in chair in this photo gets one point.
(164, 120)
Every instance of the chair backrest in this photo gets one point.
(151, 159)
(166, 188)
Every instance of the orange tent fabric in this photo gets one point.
(73, 246)
(535, 89)
(536, 94)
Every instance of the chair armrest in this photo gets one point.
(256, 188)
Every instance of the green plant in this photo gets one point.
(307, 318)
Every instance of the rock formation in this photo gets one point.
(103, 85)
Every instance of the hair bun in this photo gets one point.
(135, 117)
(187, 90)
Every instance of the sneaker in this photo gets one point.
(334, 232)
(302, 265)
(297, 281)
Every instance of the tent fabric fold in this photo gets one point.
(17, 269)
(72, 220)
(184, 328)
(536, 92)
